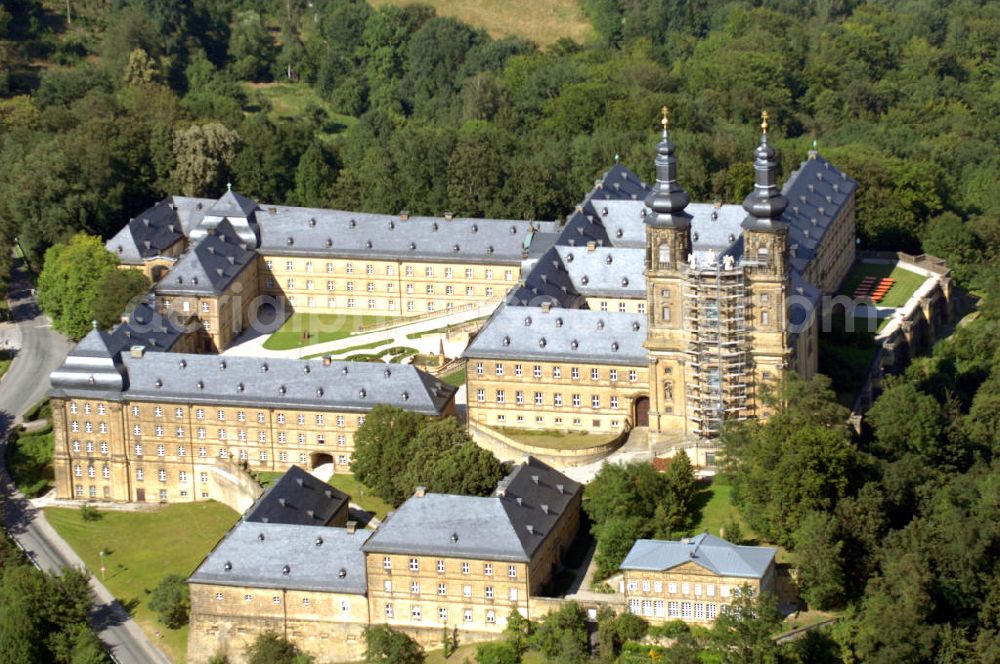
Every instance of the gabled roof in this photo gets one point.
(233, 205)
(276, 555)
(510, 525)
(547, 282)
(292, 231)
(288, 383)
(211, 266)
(298, 498)
(569, 335)
(148, 235)
(716, 555)
(150, 329)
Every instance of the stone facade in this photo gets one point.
(226, 619)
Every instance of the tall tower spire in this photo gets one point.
(667, 200)
(765, 203)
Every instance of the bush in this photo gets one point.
(171, 601)
(497, 653)
(89, 513)
(40, 411)
(385, 644)
(29, 460)
(670, 630)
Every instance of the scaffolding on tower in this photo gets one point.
(715, 307)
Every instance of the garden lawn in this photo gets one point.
(142, 548)
(321, 328)
(361, 495)
(557, 440)
(714, 508)
(29, 461)
(906, 282)
(456, 378)
(542, 21)
(349, 349)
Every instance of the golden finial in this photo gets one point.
(666, 117)
(763, 121)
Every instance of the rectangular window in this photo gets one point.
(440, 567)
(673, 609)
(489, 592)
(488, 569)
(537, 371)
(512, 571)
(414, 565)
(468, 615)
(443, 614)
(442, 589)
(686, 610)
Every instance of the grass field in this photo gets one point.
(321, 328)
(542, 21)
(557, 440)
(143, 547)
(456, 378)
(906, 282)
(715, 509)
(293, 100)
(29, 461)
(361, 495)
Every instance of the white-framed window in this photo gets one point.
(162, 475)
(519, 397)
(442, 589)
(512, 571)
(557, 399)
(647, 607)
(78, 470)
(633, 585)
(491, 616)
(574, 373)
(465, 568)
(415, 587)
(576, 400)
(415, 612)
(467, 615)
(443, 614)
(645, 586)
(501, 396)
(499, 368)
(138, 449)
(539, 397)
(135, 411)
(466, 591)
(633, 375)
(414, 565)
(614, 400)
(557, 372)
(488, 569)
(388, 610)
(711, 610)
(634, 607)
(387, 586)
(595, 401)
(685, 588)
(386, 562)
(687, 610)
(673, 609)
(140, 474)
(480, 394)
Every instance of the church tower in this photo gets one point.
(765, 260)
(668, 245)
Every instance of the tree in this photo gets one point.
(251, 49)
(562, 635)
(819, 559)
(744, 633)
(315, 177)
(272, 648)
(614, 631)
(171, 601)
(68, 286)
(518, 632)
(385, 644)
(116, 293)
(140, 69)
(381, 449)
(203, 155)
(496, 653)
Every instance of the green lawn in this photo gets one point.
(361, 495)
(456, 378)
(29, 460)
(143, 547)
(906, 282)
(319, 327)
(714, 507)
(557, 440)
(349, 349)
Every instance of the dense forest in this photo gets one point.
(108, 105)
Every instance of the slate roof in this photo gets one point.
(816, 192)
(210, 266)
(714, 554)
(317, 558)
(148, 235)
(610, 271)
(92, 366)
(570, 335)
(290, 231)
(298, 498)
(148, 328)
(510, 525)
(549, 282)
(279, 382)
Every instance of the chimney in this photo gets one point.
(327, 360)
(137, 351)
(404, 215)
(351, 527)
(448, 215)
(546, 307)
(420, 492)
(591, 246)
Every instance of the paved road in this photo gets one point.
(40, 351)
